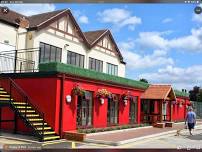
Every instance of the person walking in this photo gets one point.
(190, 119)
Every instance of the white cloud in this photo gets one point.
(156, 59)
(119, 18)
(167, 20)
(179, 77)
(83, 19)
(30, 9)
(154, 40)
(197, 18)
(127, 45)
(157, 40)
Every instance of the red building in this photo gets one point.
(63, 98)
(72, 80)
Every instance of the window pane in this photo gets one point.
(77, 59)
(42, 52)
(58, 55)
(82, 61)
(73, 59)
(96, 65)
(90, 63)
(101, 66)
(53, 53)
(47, 53)
(68, 57)
(116, 71)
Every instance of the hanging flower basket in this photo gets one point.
(103, 93)
(125, 95)
(77, 90)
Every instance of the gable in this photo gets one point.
(63, 21)
(107, 44)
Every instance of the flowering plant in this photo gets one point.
(77, 90)
(125, 95)
(103, 93)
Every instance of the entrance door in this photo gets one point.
(112, 112)
(84, 110)
(133, 110)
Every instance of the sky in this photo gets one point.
(159, 42)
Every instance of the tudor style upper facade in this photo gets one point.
(60, 39)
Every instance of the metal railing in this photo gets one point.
(18, 61)
(20, 96)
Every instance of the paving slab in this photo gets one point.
(118, 138)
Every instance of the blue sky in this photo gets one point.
(159, 42)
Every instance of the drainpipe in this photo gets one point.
(62, 81)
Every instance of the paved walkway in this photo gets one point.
(136, 133)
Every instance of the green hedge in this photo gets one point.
(94, 130)
(73, 70)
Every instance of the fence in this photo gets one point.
(198, 109)
(17, 61)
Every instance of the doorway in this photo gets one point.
(112, 110)
(84, 110)
(133, 110)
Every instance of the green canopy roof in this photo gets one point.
(86, 73)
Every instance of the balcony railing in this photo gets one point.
(19, 61)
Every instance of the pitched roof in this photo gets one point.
(92, 36)
(11, 17)
(159, 92)
(40, 21)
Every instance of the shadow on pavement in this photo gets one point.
(195, 137)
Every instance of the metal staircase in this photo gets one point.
(29, 113)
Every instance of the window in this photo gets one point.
(85, 110)
(95, 64)
(113, 110)
(133, 110)
(112, 69)
(49, 53)
(75, 59)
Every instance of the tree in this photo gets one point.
(199, 96)
(193, 93)
(144, 80)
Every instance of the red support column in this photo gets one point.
(138, 110)
(123, 112)
(100, 113)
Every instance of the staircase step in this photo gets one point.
(45, 128)
(4, 95)
(29, 111)
(23, 107)
(19, 103)
(51, 138)
(49, 132)
(39, 124)
(35, 119)
(5, 99)
(3, 92)
(32, 115)
(1, 89)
